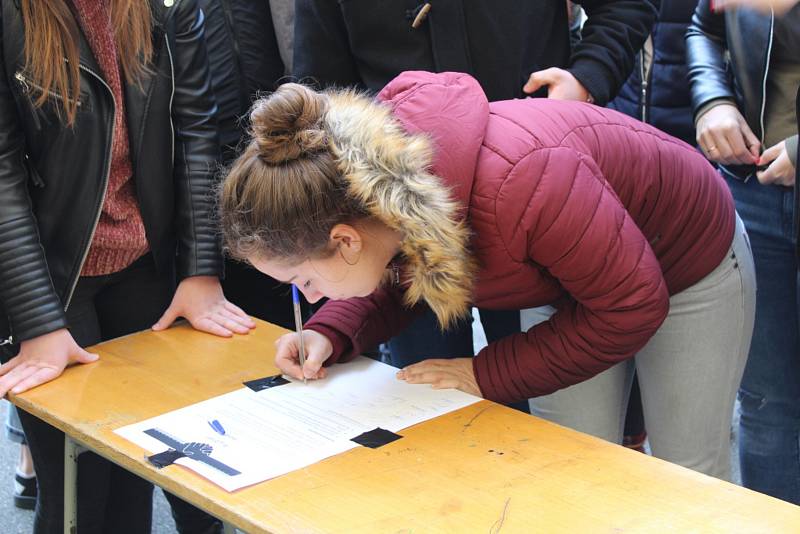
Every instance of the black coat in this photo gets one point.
(244, 59)
(366, 43)
(662, 97)
(53, 178)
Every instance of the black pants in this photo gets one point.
(110, 499)
(258, 294)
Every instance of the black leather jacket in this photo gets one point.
(53, 178)
(747, 36)
(244, 59)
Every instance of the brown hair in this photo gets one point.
(285, 192)
(52, 35)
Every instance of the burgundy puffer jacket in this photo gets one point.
(568, 203)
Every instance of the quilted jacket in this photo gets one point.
(522, 203)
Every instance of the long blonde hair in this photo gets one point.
(52, 35)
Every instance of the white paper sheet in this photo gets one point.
(278, 430)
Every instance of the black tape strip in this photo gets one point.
(163, 459)
(261, 384)
(376, 438)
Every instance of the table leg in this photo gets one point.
(72, 450)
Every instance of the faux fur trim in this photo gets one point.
(388, 170)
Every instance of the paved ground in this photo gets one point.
(15, 521)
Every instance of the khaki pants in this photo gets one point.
(689, 372)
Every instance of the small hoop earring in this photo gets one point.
(345, 259)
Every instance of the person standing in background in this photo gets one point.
(244, 60)
(106, 170)
(746, 123)
(512, 48)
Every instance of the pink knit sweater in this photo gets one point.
(120, 236)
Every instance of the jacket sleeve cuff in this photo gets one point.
(24, 331)
(708, 106)
(791, 149)
(490, 379)
(595, 79)
(342, 347)
(208, 266)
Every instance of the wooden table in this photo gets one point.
(485, 468)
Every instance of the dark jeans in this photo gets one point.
(110, 499)
(423, 339)
(769, 436)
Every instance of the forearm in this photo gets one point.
(359, 324)
(705, 58)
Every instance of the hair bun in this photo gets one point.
(286, 124)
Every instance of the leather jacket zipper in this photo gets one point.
(171, 98)
(105, 186)
(26, 88)
(764, 80)
(27, 84)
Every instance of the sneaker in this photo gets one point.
(25, 492)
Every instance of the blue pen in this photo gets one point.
(217, 427)
(298, 323)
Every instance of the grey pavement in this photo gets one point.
(15, 521)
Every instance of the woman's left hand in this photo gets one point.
(780, 170)
(443, 374)
(200, 300)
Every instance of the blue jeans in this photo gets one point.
(423, 339)
(769, 432)
(13, 426)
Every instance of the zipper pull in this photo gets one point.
(8, 341)
(21, 79)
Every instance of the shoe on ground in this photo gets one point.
(25, 491)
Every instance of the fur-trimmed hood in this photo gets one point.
(411, 160)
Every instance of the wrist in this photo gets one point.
(708, 106)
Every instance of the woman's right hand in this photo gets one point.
(40, 360)
(725, 137)
(318, 349)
